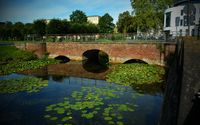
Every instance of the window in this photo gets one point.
(194, 11)
(181, 12)
(192, 20)
(168, 19)
(177, 21)
(187, 31)
(185, 21)
(193, 32)
(180, 32)
(181, 23)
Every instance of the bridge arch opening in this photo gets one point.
(135, 61)
(62, 59)
(95, 61)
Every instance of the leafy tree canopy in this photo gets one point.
(39, 27)
(55, 26)
(106, 24)
(78, 16)
(126, 23)
(28, 28)
(150, 13)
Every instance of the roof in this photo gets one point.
(94, 16)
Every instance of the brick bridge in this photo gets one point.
(149, 52)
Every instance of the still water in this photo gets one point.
(74, 95)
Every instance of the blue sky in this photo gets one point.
(30, 10)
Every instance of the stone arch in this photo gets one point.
(95, 61)
(135, 61)
(95, 55)
(62, 59)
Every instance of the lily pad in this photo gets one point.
(61, 111)
(120, 123)
(53, 118)
(108, 118)
(136, 74)
(24, 84)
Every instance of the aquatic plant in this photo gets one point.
(25, 65)
(136, 74)
(25, 84)
(12, 54)
(90, 103)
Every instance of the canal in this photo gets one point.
(75, 94)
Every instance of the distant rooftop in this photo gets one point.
(94, 16)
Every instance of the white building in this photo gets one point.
(93, 19)
(176, 22)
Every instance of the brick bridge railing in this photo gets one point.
(150, 52)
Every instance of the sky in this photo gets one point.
(27, 11)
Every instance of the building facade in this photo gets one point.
(183, 19)
(93, 19)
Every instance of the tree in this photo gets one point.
(18, 31)
(106, 24)
(6, 30)
(55, 26)
(65, 26)
(78, 16)
(126, 23)
(2, 30)
(28, 28)
(92, 28)
(149, 13)
(39, 27)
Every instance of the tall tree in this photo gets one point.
(39, 27)
(92, 28)
(55, 26)
(126, 23)
(18, 31)
(6, 30)
(65, 26)
(106, 24)
(28, 28)
(150, 13)
(78, 16)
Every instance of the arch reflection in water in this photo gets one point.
(95, 61)
(58, 78)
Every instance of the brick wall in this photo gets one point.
(118, 52)
(38, 48)
(152, 53)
